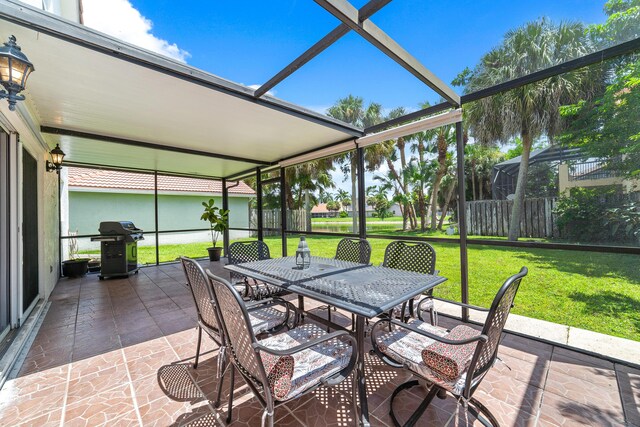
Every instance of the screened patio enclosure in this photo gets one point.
(115, 106)
(572, 339)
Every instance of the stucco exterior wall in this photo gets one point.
(175, 212)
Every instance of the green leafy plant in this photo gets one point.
(217, 218)
(624, 221)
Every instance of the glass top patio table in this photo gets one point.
(362, 289)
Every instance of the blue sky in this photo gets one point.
(249, 41)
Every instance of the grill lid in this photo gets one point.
(118, 227)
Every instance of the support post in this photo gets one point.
(462, 222)
(155, 201)
(362, 203)
(225, 206)
(283, 210)
(259, 203)
(59, 226)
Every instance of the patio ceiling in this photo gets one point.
(113, 104)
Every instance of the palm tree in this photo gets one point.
(531, 110)
(303, 181)
(351, 110)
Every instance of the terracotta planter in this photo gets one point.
(214, 254)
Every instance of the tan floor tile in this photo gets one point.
(164, 412)
(27, 384)
(605, 398)
(534, 374)
(101, 408)
(96, 363)
(146, 348)
(582, 368)
(16, 408)
(95, 383)
(52, 419)
(506, 389)
(629, 383)
(141, 367)
(558, 411)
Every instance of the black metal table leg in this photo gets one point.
(359, 385)
(301, 306)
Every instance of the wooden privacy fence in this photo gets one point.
(492, 217)
(271, 218)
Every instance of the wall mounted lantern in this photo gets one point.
(14, 71)
(56, 159)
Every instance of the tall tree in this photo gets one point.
(531, 110)
(351, 110)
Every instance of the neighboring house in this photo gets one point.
(394, 209)
(321, 211)
(97, 195)
(592, 173)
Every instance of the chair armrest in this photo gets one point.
(480, 337)
(308, 344)
(461, 304)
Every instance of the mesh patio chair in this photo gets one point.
(352, 250)
(264, 315)
(241, 252)
(286, 366)
(454, 361)
(419, 257)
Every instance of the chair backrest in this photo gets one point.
(354, 250)
(202, 296)
(238, 330)
(240, 252)
(419, 257)
(486, 354)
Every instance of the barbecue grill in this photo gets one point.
(118, 248)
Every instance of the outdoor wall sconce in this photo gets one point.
(56, 160)
(15, 68)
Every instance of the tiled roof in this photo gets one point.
(97, 178)
(322, 208)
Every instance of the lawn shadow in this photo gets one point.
(589, 264)
(611, 304)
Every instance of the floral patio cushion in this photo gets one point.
(309, 366)
(279, 371)
(406, 347)
(267, 318)
(451, 360)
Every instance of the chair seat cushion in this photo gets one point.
(406, 347)
(267, 318)
(279, 371)
(309, 366)
(451, 360)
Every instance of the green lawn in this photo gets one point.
(349, 219)
(595, 291)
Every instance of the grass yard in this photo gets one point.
(595, 291)
(349, 219)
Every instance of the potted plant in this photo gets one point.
(77, 267)
(74, 267)
(218, 220)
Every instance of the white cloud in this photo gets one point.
(120, 19)
(269, 92)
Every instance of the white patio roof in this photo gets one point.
(113, 104)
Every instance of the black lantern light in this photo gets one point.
(303, 254)
(14, 72)
(56, 159)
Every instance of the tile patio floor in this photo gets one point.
(119, 353)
